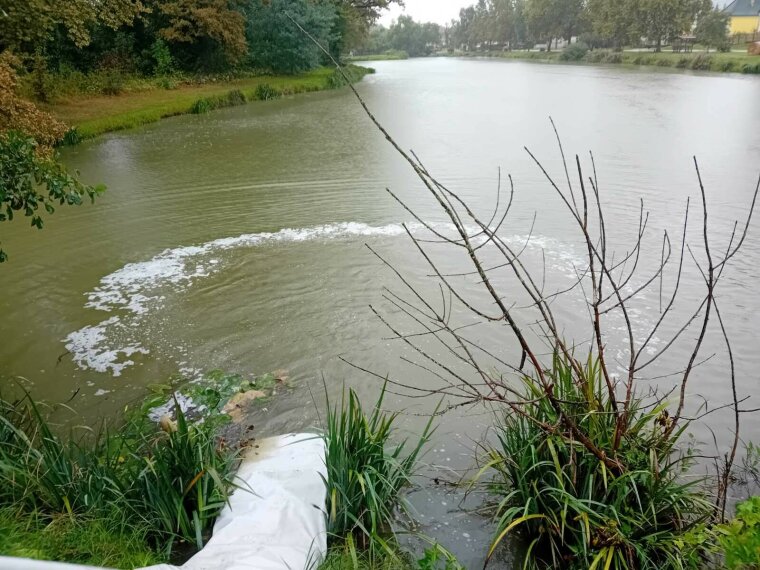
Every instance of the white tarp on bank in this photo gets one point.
(278, 525)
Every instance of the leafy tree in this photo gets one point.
(31, 181)
(664, 20)
(613, 21)
(712, 28)
(26, 23)
(210, 33)
(276, 43)
(551, 19)
(414, 38)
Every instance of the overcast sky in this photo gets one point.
(439, 11)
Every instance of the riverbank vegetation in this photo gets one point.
(633, 32)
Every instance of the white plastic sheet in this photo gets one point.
(275, 521)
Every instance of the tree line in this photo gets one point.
(160, 36)
(520, 24)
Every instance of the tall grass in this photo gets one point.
(572, 510)
(171, 485)
(365, 472)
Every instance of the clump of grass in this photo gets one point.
(573, 511)
(185, 481)
(701, 61)
(366, 474)
(170, 484)
(266, 92)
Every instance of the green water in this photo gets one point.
(236, 240)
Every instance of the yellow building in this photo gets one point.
(745, 16)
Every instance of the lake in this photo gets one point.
(236, 240)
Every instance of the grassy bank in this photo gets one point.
(90, 115)
(718, 62)
(390, 55)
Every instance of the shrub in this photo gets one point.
(684, 62)
(596, 56)
(613, 57)
(40, 79)
(166, 83)
(574, 52)
(574, 512)
(365, 475)
(726, 66)
(162, 58)
(740, 539)
(21, 115)
(751, 67)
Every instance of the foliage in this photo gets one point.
(17, 114)
(573, 510)
(365, 475)
(740, 539)
(275, 42)
(550, 19)
(663, 20)
(164, 62)
(106, 542)
(30, 182)
(28, 23)
(574, 52)
(712, 29)
(171, 484)
(416, 39)
(185, 481)
(211, 33)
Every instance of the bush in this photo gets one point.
(162, 58)
(740, 539)
(574, 52)
(365, 475)
(684, 62)
(574, 512)
(613, 57)
(751, 67)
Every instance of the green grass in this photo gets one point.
(92, 115)
(717, 62)
(95, 542)
(390, 55)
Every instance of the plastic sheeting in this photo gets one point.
(275, 521)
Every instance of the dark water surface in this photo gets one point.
(236, 240)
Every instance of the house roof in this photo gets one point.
(744, 8)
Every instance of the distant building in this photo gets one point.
(745, 16)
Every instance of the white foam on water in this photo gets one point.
(140, 288)
(87, 348)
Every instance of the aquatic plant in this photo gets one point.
(577, 514)
(740, 539)
(365, 472)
